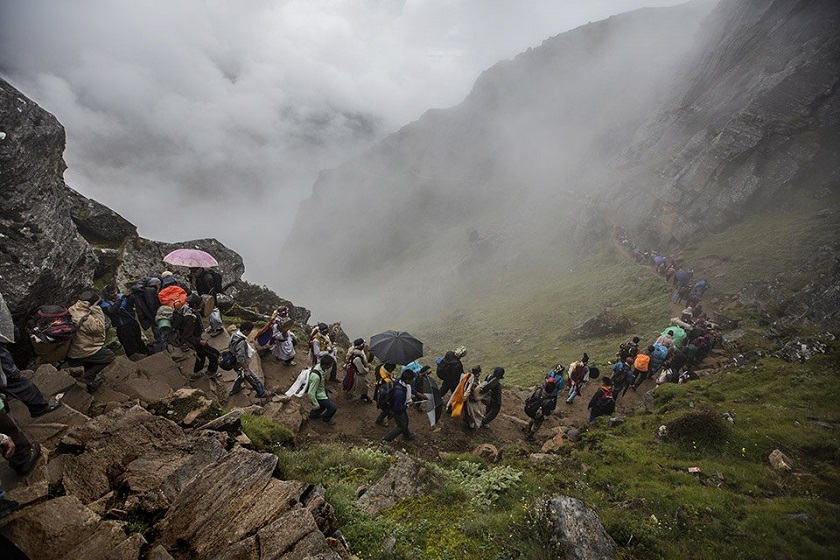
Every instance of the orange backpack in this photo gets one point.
(173, 296)
(642, 362)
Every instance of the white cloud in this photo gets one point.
(212, 118)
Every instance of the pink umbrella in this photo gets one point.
(190, 257)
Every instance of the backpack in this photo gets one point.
(385, 395)
(173, 296)
(627, 350)
(443, 369)
(533, 404)
(51, 324)
(559, 379)
(217, 281)
(227, 360)
(642, 362)
(605, 403)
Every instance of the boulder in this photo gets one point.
(605, 323)
(404, 479)
(578, 530)
(242, 487)
(537, 458)
(288, 413)
(188, 407)
(64, 528)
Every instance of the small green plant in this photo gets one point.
(265, 434)
(483, 486)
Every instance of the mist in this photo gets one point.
(213, 119)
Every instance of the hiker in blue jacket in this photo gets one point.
(400, 399)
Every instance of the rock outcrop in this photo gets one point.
(578, 530)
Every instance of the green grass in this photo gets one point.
(265, 434)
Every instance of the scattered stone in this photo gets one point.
(615, 421)
(537, 458)
(662, 432)
(553, 445)
(573, 435)
(389, 544)
(779, 461)
(801, 350)
(489, 452)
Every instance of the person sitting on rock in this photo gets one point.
(191, 331)
(87, 348)
(7, 448)
(243, 351)
(26, 453)
(323, 407)
(21, 387)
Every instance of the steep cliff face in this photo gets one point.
(54, 242)
(754, 115)
(42, 255)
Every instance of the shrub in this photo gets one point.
(265, 434)
(699, 429)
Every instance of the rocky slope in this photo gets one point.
(663, 121)
(54, 242)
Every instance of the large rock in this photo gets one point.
(605, 323)
(65, 529)
(44, 259)
(96, 222)
(578, 530)
(242, 487)
(405, 479)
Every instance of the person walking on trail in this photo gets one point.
(622, 376)
(120, 310)
(641, 367)
(320, 343)
(472, 414)
(400, 398)
(243, 351)
(384, 379)
(578, 376)
(450, 370)
(87, 348)
(602, 402)
(190, 331)
(358, 360)
(666, 340)
(283, 338)
(491, 395)
(540, 405)
(323, 408)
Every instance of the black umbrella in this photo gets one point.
(394, 347)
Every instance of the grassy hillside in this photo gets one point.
(734, 506)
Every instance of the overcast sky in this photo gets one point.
(212, 118)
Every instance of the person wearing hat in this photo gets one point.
(544, 398)
(491, 395)
(578, 376)
(602, 402)
(400, 399)
(358, 360)
(283, 338)
(87, 348)
(190, 331)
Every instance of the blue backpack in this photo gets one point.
(557, 375)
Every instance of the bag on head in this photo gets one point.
(51, 329)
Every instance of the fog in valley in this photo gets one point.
(215, 119)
